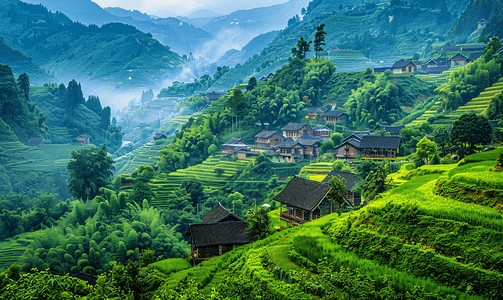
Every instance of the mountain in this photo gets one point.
(18, 117)
(116, 54)
(238, 28)
(180, 36)
(201, 13)
(368, 34)
(125, 13)
(491, 10)
(21, 63)
(254, 47)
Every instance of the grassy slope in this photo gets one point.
(409, 234)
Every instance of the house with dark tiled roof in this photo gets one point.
(334, 116)
(380, 70)
(312, 112)
(458, 60)
(379, 147)
(322, 132)
(480, 47)
(220, 214)
(235, 145)
(404, 66)
(450, 48)
(36, 141)
(305, 147)
(391, 129)
(348, 149)
(295, 130)
(351, 179)
(483, 22)
(474, 56)
(159, 136)
(268, 139)
(214, 239)
(305, 200)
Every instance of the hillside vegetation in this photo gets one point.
(115, 53)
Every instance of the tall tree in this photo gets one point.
(426, 149)
(337, 191)
(319, 39)
(90, 169)
(258, 223)
(237, 102)
(470, 130)
(23, 82)
(301, 49)
(74, 96)
(252, 83)
(375, 183)
(105, 118)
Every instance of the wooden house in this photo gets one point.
(220, 214)
(159, 136)
(234, 145)
(391, 129)
(379, 147)
(404, 66)
(36, 141)
(213, 239)
(305, 147)
(295, 130)
(305, 200)
(334, 116)
(351, 179)
(474, 56)
(84, 138)
(380, 70)
(312, 112)
(267, 139)
(322, 132)
(348, 149)
(483, 22)
(458, 60)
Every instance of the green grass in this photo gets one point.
(168, 266)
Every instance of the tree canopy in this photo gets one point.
(90, 169)
(301, 49)
(470, 130)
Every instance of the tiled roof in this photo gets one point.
(472, 47)
(303, 193)
(235, 141)
(474, 56)
(380, 142)
(265, 134)
(352, 136)
(352, 142)
(393, 129)
(434, 70)
(313, 110)
(451, 48)
(335, 113)
(458, 55)
(306, 136)
(218, 214)
(223, 233)
(351, 178)
(294, 126)
(402, 64)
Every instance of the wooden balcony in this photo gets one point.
(284, 216)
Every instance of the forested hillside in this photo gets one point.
(117, 54)
(385, 32)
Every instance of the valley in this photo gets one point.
(304, 150)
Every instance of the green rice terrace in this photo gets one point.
(316, 171)
(421, 240)
(46, 158)
(163, 185)
(147, 154)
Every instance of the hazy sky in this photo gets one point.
(181, 6)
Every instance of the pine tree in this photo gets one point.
(319, 39)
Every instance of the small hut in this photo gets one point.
(84, 138)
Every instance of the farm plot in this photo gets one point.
(147, 154)
(204, 173)
(316, 171)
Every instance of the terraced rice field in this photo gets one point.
(478, 105)
(12, 249)
(204, 173)
(316, 171)
(147, 154)
(427, 114)
(46, 158)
